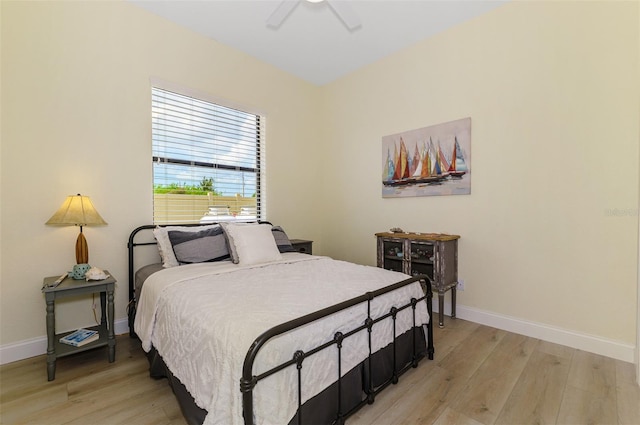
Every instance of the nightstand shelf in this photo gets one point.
(63, 350)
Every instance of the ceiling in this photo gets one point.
(312, 42)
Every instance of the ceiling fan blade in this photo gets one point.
(346, 14)
(281, 12)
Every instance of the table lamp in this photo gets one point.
(77, 210)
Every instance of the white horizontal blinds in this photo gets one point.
(204, 155)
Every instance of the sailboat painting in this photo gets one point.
(429, 161)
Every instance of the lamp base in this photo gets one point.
(82, 249)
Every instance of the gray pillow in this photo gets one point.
(199, 247)
(282, 240)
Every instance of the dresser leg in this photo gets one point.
(111, 331)
(453, 302)
(440, 309)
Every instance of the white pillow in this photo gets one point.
(230, 245)
(253, 244)
(164, 244)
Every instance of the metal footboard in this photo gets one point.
(249, 381)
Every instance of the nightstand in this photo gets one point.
(302, 246)
(70, 287)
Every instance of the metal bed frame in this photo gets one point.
(249, 381)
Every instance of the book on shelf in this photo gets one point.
(80, 337)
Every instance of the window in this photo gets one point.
(206, 160)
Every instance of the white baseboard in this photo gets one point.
(591, 343)
(37, 346)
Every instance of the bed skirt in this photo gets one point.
(323, 408)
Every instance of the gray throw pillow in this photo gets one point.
(282, 240)
(199, 247)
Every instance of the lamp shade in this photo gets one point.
(77, 210)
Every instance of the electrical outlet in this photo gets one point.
(460, 286)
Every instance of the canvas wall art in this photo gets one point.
(429, 161)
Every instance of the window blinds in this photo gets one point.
(203, 151)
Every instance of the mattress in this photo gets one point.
(142, 274)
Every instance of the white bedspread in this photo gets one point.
(202, 318)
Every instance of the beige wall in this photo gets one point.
(76, 119)
(551, 88)
(552, 91)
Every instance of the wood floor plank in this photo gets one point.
(452, 417)
(425, 402)
(556, 349)
(465, 359)
(537, 395)
(627, 394)
(585, 407)
(48, 396)
(488, 389)
(21, 376)
(408, 382)
(84, 404)
(130, 410)
(590, 394)
(451, 336)
(107, 377)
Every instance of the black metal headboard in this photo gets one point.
(131, 245)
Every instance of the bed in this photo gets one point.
(247, 331)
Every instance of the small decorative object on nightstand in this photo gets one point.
(302, 245)
(431, 254)
(57, 287)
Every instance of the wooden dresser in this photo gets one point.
(431, 254)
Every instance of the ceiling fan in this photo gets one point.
(341, 8)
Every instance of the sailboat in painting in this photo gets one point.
(429, 166)
(402, 166)
(389, 167)
(397, 171)
(458, 167)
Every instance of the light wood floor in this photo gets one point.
(480, 375)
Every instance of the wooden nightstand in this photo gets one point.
(69, 287)
(302, 246)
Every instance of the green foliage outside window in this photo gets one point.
(203, 188)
